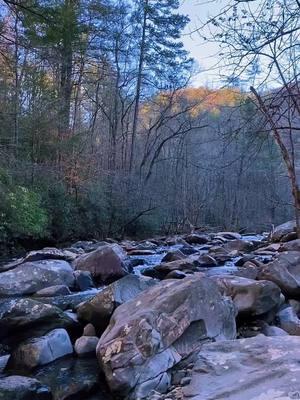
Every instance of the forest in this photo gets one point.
(102, 133)
(149, 200)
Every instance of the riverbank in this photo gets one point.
(150, 319)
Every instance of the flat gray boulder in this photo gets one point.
(30, 277)
(259, 368)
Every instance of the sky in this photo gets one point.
(205, 54)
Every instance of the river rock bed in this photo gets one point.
(203, 316)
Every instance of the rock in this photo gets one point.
(106, 263)
(289, 321)
(268, 330)
(260, 368)
(220, 254)
(89, 330)
(83, 280)
(248, 270)
(251, 298)
(238, 245)
(49, 253)
(293, 245)
(21, 388)
(3, 363)
(295, 305)
(196, 239)
(21, 319)
(183, 265)
(72, 378)
(30, 277)
(285, 272)
(205, 260)
(173, 256)
(86, 345)
(99, 309)
(71, 301)
(87, 245)
(284, 231)
(58, 290)
(41, 351)
(188, 250)
(137, 252)
(146, 245)
(150, 334)
(244, 259)
(229, 235)
(268, 250)
(176, 275)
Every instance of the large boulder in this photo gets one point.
(284, 232)
(259, 368)
(100, 308)
(31, 277)
(21, 319)
(22, 388)
(150, 334)
(106, 263)
(285, 272)
(251, 298)
(40, 351)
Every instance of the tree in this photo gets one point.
(269, 37)
(162, 62)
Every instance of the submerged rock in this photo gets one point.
(73, 378)
(150, 334)
(21, 388)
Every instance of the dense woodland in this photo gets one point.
(102, 134)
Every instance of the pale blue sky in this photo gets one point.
(204, 54)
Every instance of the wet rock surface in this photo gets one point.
(249, 369)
